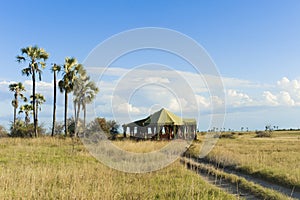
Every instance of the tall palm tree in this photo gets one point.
(84, 93)
(27, 109)
(71, 71)
(55, 69)
(18, 89)
(36, 58)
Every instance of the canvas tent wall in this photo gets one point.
(161, 124)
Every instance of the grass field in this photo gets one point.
(276, 158)
(52, 168)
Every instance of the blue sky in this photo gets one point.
(255, 45)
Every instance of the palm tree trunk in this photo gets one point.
(66, 113)
(15, 116)
(36, 112)
(54, 105)
(15, 110)
(77, 119)
(75, 110)
(84, 115)
(33, 104)
(26, 118)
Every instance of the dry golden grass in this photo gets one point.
(276, 158)
(140, 147)
(51, 168)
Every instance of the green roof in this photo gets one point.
(189, 121)
(163, 117)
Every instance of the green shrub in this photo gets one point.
(22, 129)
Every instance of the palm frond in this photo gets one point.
(14, 103)
(26, 71)
(40, 74)
(55, 68)
(61, 86)
(20, 59)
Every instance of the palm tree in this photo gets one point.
(36, 58)
(27, 108)
(39, 100)
(84, 93)
(89, 95)
(71, 71)
(17, 88)
(55, 69)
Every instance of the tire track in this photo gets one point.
(241, 185)
(289, 191)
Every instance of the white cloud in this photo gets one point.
(40, 85)
(285, 99)
(284, 82)
(270, 99)
(236, 98)
(290, 86)
(202, 101)
(179, 105)
(196, 81)
(156, 80)
(7, 109)
(126, 108)
(217, 101)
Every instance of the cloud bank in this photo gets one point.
(178, 91)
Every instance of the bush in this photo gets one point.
(110, 127)
(59, 127)
(228, 135)
(263, 133)
(24, 130)
(3, 132)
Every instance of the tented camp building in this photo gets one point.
(162, 124)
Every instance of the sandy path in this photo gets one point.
(232, 188)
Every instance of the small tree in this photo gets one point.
(27, 109)
(268, 128)
(39, 100)
(112, 124)
(18, 89)
(100, 125)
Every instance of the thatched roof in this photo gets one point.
(162, 117)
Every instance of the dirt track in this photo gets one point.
(233, 187)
